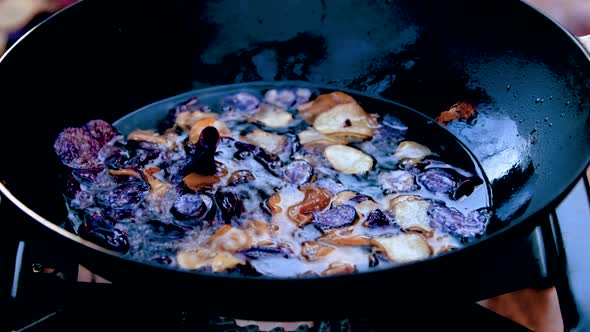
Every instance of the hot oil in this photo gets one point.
(398, 123)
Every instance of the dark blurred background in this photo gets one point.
(18, 16)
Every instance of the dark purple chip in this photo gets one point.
(141, 154)
(284, 98)
(100, 230)
(335, 217)
(230, 205)
(96, 218)
(101, 130)
(298, 172)
(359, 198)
(202, 157)
(94, 179)
(445, 218)
(126, 196)
(269, 161)
(190, 206)
(242, 101)
(113, 157)
(267, 251)
(391, 128)
(77, 149)
(240, 177)
(244, 150)
(377, 219)
(475, 222)
(452, 221)
(108, 237)
(438, 180)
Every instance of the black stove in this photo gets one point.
(40, 288)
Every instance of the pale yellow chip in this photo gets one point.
(272, 143)
(404, 247)
(273, 116)
(411, 150)
(348, 160)
(345, 120)
(312, 137)
(411, 213)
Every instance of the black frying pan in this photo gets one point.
(527, 76)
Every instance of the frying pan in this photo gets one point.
(526, 75)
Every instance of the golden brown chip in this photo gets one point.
(148, 136)
(338, 240)
(125, 172)
(274, 204)
(313, 251)
(339, 268)
(459, 111)
(196, 181)
(315, 199)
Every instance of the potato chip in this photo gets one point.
(404, 247)
(348, 160)
(272, 143)
(345, 120)
(273, 116)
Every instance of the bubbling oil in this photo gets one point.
(395, 124)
